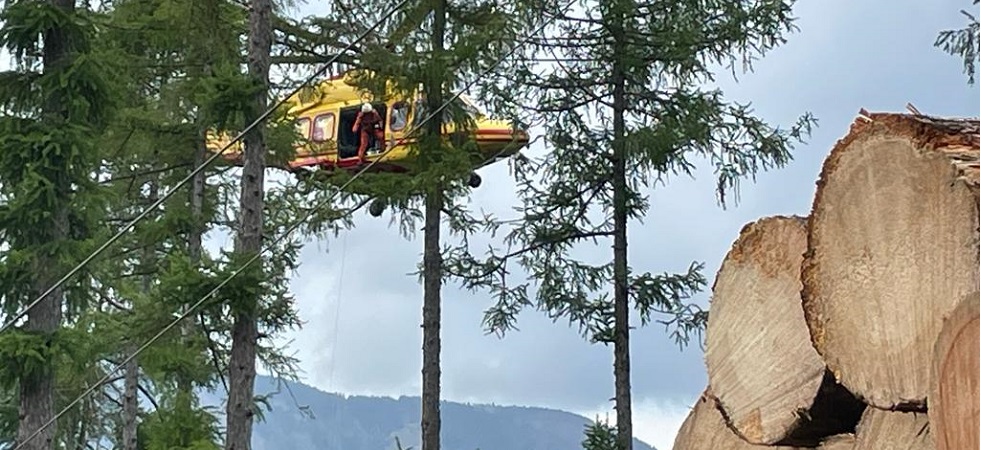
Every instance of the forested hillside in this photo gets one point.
(300, 417)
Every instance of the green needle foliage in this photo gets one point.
(54, 104)
(172, 54)
(619, 88)
(963, 43)
(599, 435)
(169, 71)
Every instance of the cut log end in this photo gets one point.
(897, 430)
(954, 410)
(769, 380)
(893, 244)
(705, 428)
(844, 441)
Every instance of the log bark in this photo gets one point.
(705, 428)
(954, 410)
(893, 430)
(892, 246)
(772, 385)
(844, 441)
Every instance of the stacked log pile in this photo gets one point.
(856, 327)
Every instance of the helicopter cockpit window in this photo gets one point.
(303, 127)
(323, 128)
(399, 116)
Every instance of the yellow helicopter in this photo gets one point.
(325, 115)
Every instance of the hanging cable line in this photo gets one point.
(286, 234)
(326, 66)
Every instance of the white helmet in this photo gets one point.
(366, 107)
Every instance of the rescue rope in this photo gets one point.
(337, 314)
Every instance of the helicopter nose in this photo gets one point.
(521, 134)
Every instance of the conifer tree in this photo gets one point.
(437, 45)
(181, 57)
(616, 87)
(248, 241)
(174, 63)
(55, 102)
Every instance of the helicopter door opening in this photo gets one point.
(347, 139)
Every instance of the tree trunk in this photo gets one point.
(838, 442)
(131, 405)
(37, 390)
(432, 257)
(185, 385)
(954, 388)
(432, 266)
(771, 383)
(201, 54)
(131, 374)
(706, 429)
(188, 326)
(621, 305)
(241, 370)
(892, 246)
(893, 430)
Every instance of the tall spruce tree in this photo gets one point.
(55, 102)
(617, 87)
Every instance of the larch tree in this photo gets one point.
(428, 49)
(432, 264)
(55, 103)
(239, 413)
(259, 300)
(617, 87)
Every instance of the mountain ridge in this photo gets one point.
(298, 416)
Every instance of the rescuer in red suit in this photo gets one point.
(368, 124)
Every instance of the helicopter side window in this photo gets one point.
(399, 117)
(323, 128)
(303, 127)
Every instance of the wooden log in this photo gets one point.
(838, 442)
(705, 429)
(893, 430)
(954, 409)
(771, 384)
(892, 246)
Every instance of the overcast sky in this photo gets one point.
(847, 55)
